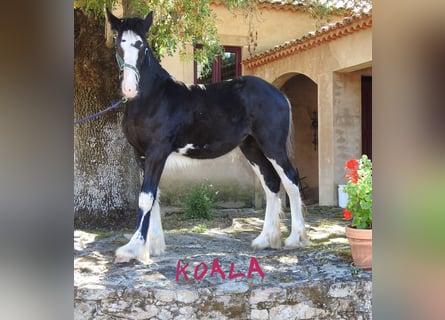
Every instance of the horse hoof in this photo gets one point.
(260, 242)
(124, 254)
(157, 251)
(296, 242)
(275, 241)
(271, 240)
(157, 245)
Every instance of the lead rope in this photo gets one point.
(113, 106)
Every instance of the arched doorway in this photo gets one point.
(302, 94)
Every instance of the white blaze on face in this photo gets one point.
(130, 56)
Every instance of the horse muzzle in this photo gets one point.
(129, 84)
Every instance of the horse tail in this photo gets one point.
(290, 134)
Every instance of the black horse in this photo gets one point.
(165, 117)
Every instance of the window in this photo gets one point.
(227, 66)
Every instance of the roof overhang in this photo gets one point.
(330, 32)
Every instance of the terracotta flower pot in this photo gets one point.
(360, 241)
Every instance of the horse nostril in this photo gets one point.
(129, 92)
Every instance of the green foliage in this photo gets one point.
(178, 25)
(94, 7)
(200, 228)
(199, 202)
(322, 10)
(356, 271)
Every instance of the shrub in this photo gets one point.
(199, 202)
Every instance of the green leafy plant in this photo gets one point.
(356, 271)
(322, 11)
(359, 191)
(199, 202)
(200, 228)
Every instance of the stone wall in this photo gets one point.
(228, 301)
(347, 119)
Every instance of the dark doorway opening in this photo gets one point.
(367, 116)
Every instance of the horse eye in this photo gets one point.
(138, 44)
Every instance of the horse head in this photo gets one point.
(131, 49)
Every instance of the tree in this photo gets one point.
(105, 172)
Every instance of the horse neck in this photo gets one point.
(153, 75)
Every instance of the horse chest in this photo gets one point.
(143, 131)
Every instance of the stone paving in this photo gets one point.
(225, 278)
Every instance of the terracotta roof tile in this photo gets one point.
(312, 39)
(292, 5)
(353, 5)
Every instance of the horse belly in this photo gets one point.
(190, 154)
(208, 148)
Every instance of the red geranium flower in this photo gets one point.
(347, 215)
(352, 164)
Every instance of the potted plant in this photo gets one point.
(359, 210)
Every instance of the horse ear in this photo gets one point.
(114, 22)
(148, 21)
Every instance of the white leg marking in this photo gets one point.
(185, 149)
(145, 201)
(137, 248)
(134, 249)
(270, 235)
(155, 232)
(297, 237)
